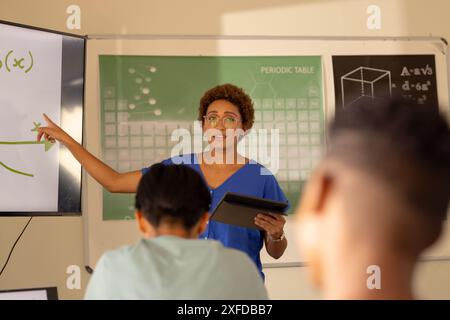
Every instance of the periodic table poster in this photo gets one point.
(145, 98)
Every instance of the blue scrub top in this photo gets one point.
(253, 179)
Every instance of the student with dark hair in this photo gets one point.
(172, 204)
(377, 200)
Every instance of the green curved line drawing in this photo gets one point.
(47, 144)
(6, 61)
(32, 62)
(16, 171)
(37, 125)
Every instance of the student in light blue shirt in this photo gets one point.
(247, 180)
(170, 262)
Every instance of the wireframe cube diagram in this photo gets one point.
(363, 83)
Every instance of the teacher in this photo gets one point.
(225, 110)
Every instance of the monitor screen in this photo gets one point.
(41, 72)
(50, 293)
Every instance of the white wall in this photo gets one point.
(50, 245)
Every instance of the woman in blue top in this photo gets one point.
(225, 111)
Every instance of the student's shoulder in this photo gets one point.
(111, 256)
(221, 251)
(241, 269)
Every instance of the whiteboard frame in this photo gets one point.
(104, 235)
(72, 105)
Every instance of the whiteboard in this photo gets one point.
(18, 90)
(104, 235)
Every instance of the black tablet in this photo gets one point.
(240, 210)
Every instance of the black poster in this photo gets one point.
(379, 76)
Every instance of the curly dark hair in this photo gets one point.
(233, 94)
(172, 193)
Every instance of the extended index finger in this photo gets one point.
(48, 120)
(41, 132)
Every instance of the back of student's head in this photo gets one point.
(387, 170)
(173, 194)
(406, 148)
(379, 196)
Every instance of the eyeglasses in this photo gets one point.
(229, 122)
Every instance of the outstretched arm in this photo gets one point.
(109, 178)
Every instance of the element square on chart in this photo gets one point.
(110, 117)
(147, 129)
(122, 116)
(110, 92)
(123, 142)
(124, 154)
(135, 142)
(136, 154)
(268, 115)
(124, 166)
(314, 103)
(279, 116)
(303, 139)
(294, 175)
(110, 129)
(303, 127)
(267, 104)
(314, 126)
(110, 142)
(147, 141)
(291, 115)
(303, 115)
(302, 103)
(110, 105)
(315, 139)
(149, 154)
(122, 104)
(135, 129)
(111, 155)
(292, 127)
(279, 103)
(290, 104)
(314, 115)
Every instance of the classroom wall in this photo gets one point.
(50, 245)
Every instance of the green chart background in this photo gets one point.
(143, 98)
